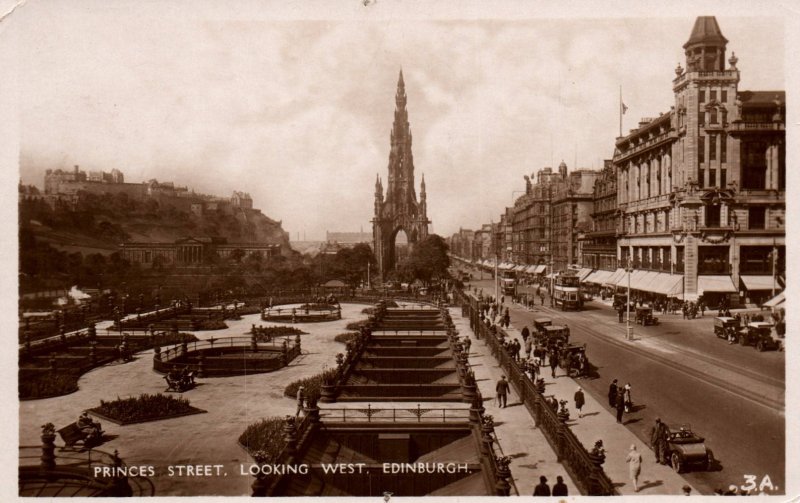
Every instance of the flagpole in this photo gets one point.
(620, 111)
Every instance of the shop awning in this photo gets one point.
(531, 269)
(520, 268)
(540, 269)
(583, 273)
(647, 281)
(667, 284)
(776, 301)
(624, 278)
(615, 277)
(759, 282)
(598, 277)
(551, 275)
(721, 284)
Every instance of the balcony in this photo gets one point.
(739, 127)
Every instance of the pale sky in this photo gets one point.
(298, 112)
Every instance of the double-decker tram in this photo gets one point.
(508, 282)
(567, 290)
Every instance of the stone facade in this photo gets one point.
(599, 246)
(704, 184)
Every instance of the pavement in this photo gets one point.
(519, 438)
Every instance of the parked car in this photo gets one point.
(555, 335)
(570, 357)
(723, 325)
(759, 335)
(685, 448)
(644, 316)
(540, 323)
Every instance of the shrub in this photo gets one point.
(170, 338)
(212, 324)
(264, 439)
(357, 325)
(368, 311)
(47, 384)
(346, 336)
(144, 407)
(312, 385)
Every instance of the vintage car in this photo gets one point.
(759, 335)
(685, 448)
(540, 323)
(723, 325)
(570, 359)
(644, 316)
(555, 336)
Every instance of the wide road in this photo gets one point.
(679, 371)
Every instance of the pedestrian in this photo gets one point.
(612, 393)
(620, 405)
(300, 399)
(528, 347)
(542, 489)
(525, 333)
(467, 344)
(580, 401)
(619, 312)
(535, 368)
(502, 392)
(657, 440)
(553, 364)
(702, 308)
(560, 488)
(634, 461)
(687, 491)
(502, 299)
(626, 393)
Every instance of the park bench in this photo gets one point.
(72, 434)
(180, 384)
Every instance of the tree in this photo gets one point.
(428, 259)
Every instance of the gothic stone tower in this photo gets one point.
(400, 209)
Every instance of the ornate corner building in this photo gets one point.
(701, 189)
(400, 209)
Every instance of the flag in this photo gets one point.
(623, 107)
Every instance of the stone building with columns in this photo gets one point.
(701, 188)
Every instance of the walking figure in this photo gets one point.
(634, 461)
(580, 401)
(502, 391)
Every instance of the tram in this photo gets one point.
(508, 282)
(567, 290)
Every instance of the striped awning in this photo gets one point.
(776, 301)
(721, 284)
(598, 277)
(583, 273)
(759, 283)
(615, 277)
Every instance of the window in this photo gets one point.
(701, 116)
(723, 147)
(713, 215)
(756, 217)
(701, 149)
(712, 260)
(712, 147)
(712, 95)
(701, 96)
(723, 178)
(713, 119)
(755, 260)
(754, 165)
(724, 97)
(701, 177)
(712, 177)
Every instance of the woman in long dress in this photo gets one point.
(634, 461)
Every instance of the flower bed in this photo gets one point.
(264, 440)
(144, 408)
(47, 384)
(212, 324)
(347, 336)
(266, 334)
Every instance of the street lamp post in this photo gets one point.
(628, 328)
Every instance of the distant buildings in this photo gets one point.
(193, 251)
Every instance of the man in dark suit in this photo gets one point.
(542, 489)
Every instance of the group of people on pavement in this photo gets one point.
(619, 398)
(559, 488)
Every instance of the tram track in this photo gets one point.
(590, 328)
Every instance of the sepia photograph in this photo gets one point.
(394, 248)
